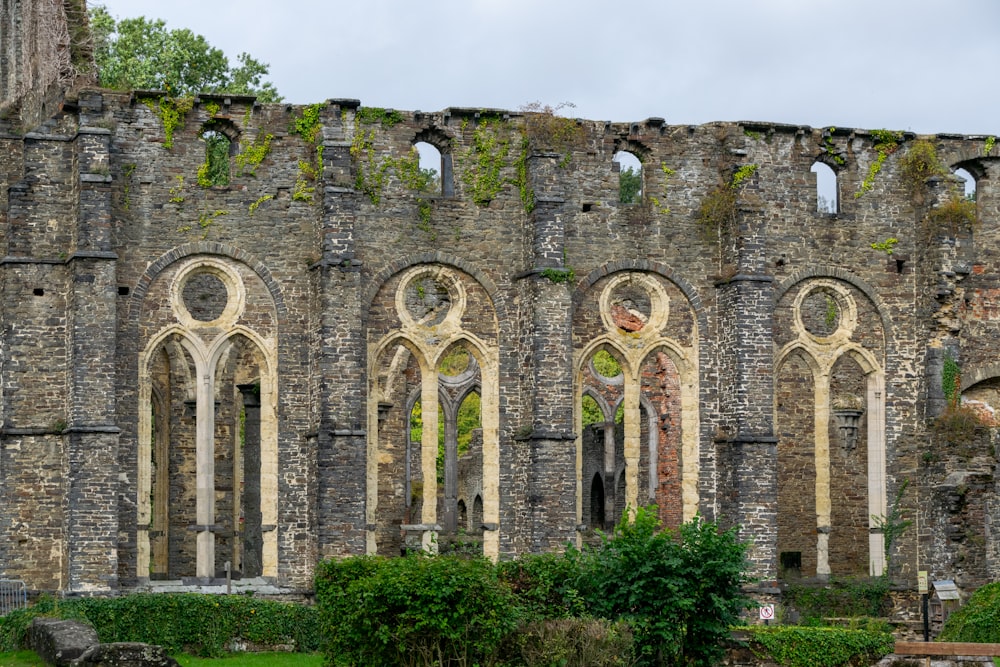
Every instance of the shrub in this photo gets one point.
(839, 597)
(415, 610)
(544, 584)
(795, 646)
(204, 624)
(679, 591)
(978, 620)
(575, 642)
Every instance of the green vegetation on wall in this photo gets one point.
(886, 143)
(171, 112)
(717, 212)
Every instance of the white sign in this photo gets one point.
(767, 612)
(922, 582)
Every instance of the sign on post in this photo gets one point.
(922, 582)
(766, 612)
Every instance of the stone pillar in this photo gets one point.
(747, 387)
(552, 476)
(340, 357)
(92, 443)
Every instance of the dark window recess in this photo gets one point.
(123, 290)
(38, 291)
(791, 560)
(587, 207)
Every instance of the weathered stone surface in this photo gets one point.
(125, 654)
(781, 371)
(60, 642)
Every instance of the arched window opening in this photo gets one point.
(467, 421)
(827, 200)
(215, 169)
(431, 168)
(629, 169)
(591, 411)
(970, 183)
(597, 502)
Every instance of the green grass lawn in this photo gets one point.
(30, 659)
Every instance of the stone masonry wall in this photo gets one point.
(742, 331)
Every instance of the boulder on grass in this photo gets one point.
(125, 654)
(58, 642)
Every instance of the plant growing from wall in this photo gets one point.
(308, 125)
(207, 218)
(171, 112)
(655, 201)
(486, 159)
(989, 144)
(886, 246)
(127, 171)
(951, 379)
(918, 164)
(177, 191)
(831, 149)
(892, 524)
(248, 159)
(212, 108)
(254, 205)
(373, 115)
(559, 276)
(545, 129)
(956, 214)
(886, 143)
(717, 212)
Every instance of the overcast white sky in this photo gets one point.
(920, 65)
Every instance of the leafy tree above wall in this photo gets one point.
(140, 53)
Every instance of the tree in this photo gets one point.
(629, 185)
(140, 53)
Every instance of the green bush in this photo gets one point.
(415, 610)
(797, 646)
(838, 598)
(679, 591)
(545, 585)
(204, 624)
(573, 642)
(978, 620)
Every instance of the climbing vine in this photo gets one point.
(308, 125)
(920, 163)
(485, 160)
(988, 146)
(127, 171)
(254, 205)
(951, 376)
(718, 209)
(373, 115)
(177, 191)
(830, 148)
(248, 159)
(886, 143)
(171, 112)
(667, 173)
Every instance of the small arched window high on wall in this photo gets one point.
(629, 169)
(827, 199)
(435, 170)
(218, 147)
(970, 183)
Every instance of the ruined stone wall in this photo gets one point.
(741, 336)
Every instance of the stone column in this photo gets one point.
(92, 443)
(340, 355)
(747, 386)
